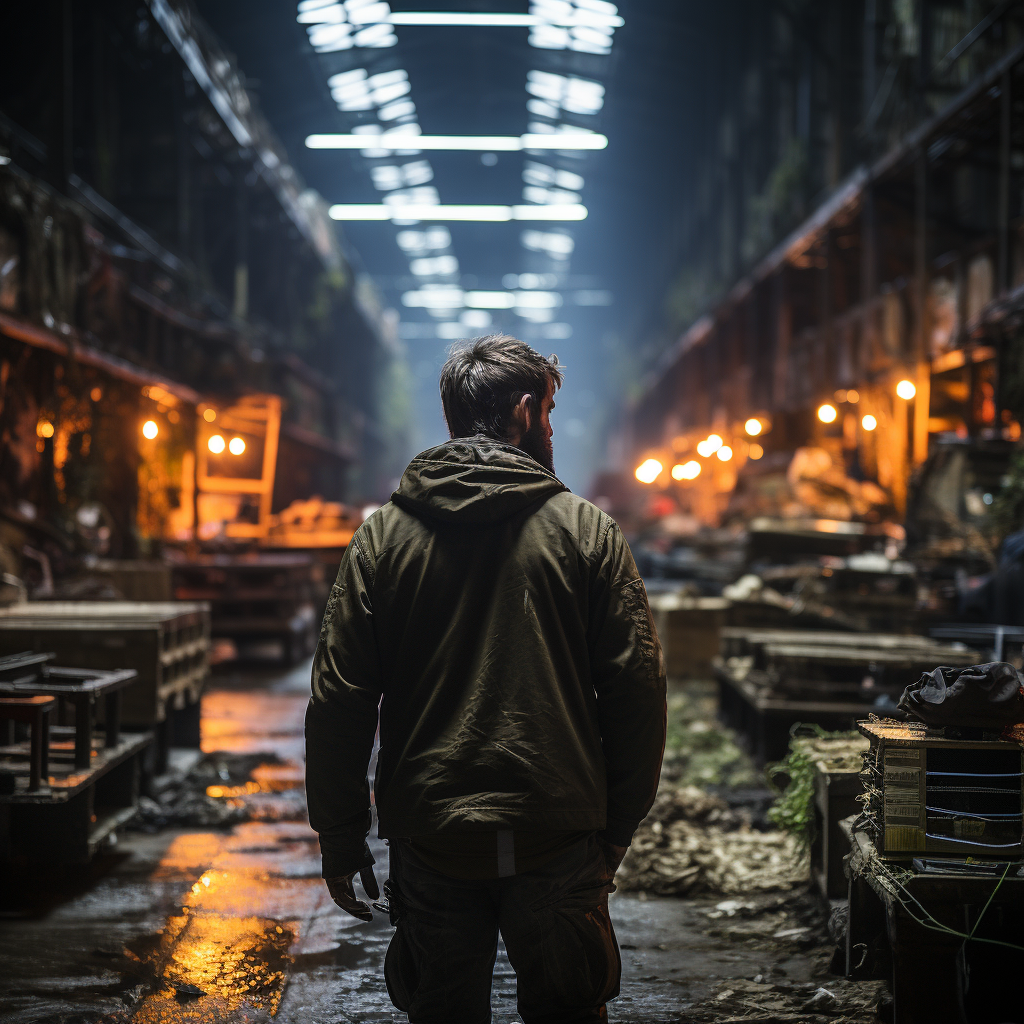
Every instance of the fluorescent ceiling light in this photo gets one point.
(463, 18)
(434, 298)
(532, 304)
(411, 212)
(397, 140)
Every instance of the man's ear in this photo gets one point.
(522, 415)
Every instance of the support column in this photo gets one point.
(868, 276)
(241, 301)
(1003, 211)
(783, 329)
(922, 375)
(61, 147)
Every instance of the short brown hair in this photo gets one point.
(483, 380)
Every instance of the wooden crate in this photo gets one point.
(167, 643)
(689, 629)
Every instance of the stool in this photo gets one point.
(36, 712)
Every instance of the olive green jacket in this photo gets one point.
(500, 624)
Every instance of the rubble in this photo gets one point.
(704, 833)
(767, 999)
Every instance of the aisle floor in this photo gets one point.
(235, 924)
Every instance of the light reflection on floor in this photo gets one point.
(258, 895)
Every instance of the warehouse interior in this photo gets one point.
(778, 249)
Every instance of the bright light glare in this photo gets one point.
(755, 451)
(406, 140)
(413, 212)
(704, 450)
(753, 427)
(236, 446)
(648, 471)
(434, 298)
(446, 19)
(869, 422)
(216, 444)
(725, 453)
(827, 413)
(686, 471)
(150, 429)
(906, 390)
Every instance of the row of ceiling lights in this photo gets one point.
(586, 26)
(550, 193)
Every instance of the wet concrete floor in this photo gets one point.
(204, 924)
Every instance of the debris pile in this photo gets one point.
(764, 998)
(224, 789)
(693, 843)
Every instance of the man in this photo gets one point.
(500, 623)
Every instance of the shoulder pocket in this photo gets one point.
(634, 597)
(332, 604)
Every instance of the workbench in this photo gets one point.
(885, 938)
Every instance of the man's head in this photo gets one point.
(500, 387)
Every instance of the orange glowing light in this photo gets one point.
(44, 428)
(150, 429)
(755, 451)
(648, 471)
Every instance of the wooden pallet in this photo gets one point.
(166, 643)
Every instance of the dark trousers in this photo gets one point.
(556, 928)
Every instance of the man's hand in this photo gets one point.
(345, 896)
(613, 855)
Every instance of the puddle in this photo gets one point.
(207, 966)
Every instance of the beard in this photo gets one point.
(537, 445)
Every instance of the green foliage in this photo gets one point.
(793, 810)
(698, 752)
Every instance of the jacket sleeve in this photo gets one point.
(628, 673)
(341, 720)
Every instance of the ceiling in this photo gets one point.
(648, 94)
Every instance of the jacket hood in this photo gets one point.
(473, 480)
